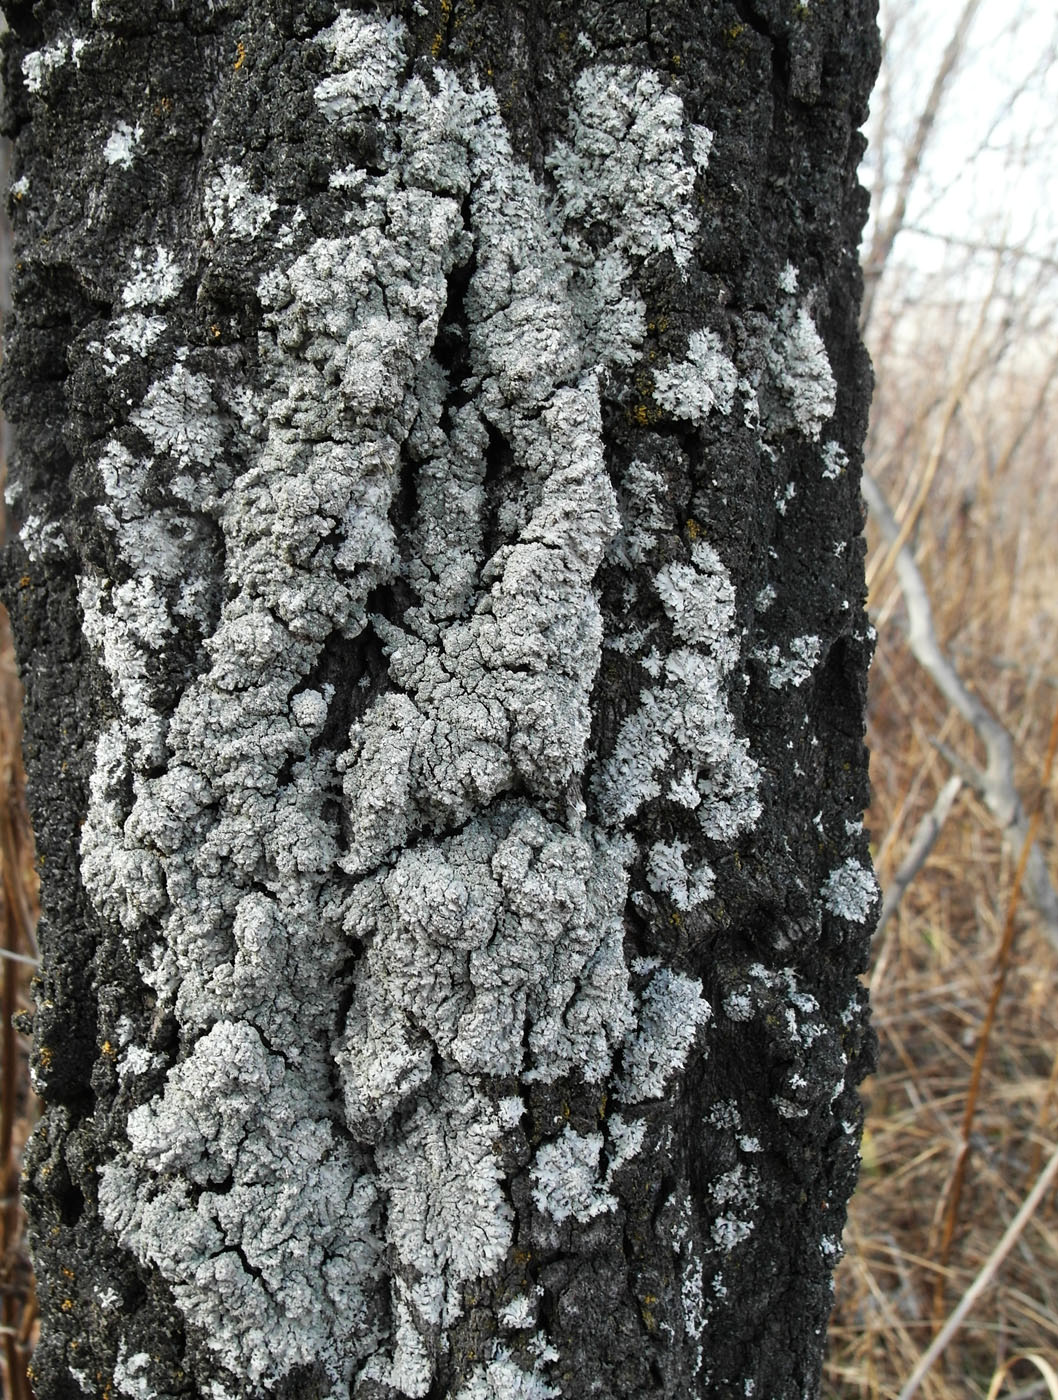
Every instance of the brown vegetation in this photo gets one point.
(962, 1117)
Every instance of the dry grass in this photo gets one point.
(984, 542)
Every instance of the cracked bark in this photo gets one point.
(709, 1274)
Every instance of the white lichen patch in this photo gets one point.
(625, 164)
(138, 1060)
(835, 460)
(701, 146)
(705, 380)
(686, 719)
(668, 874)
(645, 511)
(624, 1142)
(670, 1013)
(41, 63)
(448, 1218)
(121, 144)
(851, 891)
(503, 1379)
(233, 1130)
(155, 278)
(565, 1177)
(801, 374)
(366, 57)
(728, 1231)
(520, 1312)
(700, 602)
(229, 203)
(795, 666)
(736, 1195)
(41, 539)
(131, 1375)
(500, 948)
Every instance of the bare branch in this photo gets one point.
(925, 838)
(984, 1277)
(886, 232)
(997, 782)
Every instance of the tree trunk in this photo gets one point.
(440, 592)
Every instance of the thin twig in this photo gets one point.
(888, 229)
(985, 1275)
(996, 782)
(951, 1213)
(925, 838)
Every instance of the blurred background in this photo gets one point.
(961, 318)
(957, 1190)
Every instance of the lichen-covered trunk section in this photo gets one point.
(439, 587)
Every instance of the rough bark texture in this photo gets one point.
(439, 590)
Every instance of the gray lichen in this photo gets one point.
(438, 861)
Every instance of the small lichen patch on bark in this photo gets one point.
(706, 380)
(448, 1219)
(503, 1379)
(671, 1011)
(851, 891)
(565, 1176)
(802, 382)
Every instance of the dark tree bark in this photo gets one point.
(437, 435)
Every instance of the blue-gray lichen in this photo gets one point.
(485, 907)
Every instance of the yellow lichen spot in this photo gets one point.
(694, 530)
(676, 60)
(44, 1057)
(108, 1049)
(24, 581)
(675, 920)
(602, 1106)
(439, 37)
(214, 331)
(240, 56)
(68, 1273)
(67, 1305)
